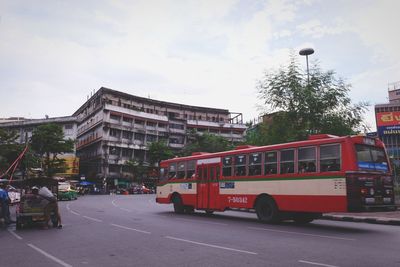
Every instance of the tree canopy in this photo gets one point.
(299, 108)
(48, 142)
(159, 151)
(205, 142)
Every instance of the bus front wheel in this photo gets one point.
(267, 211)
(179, 208)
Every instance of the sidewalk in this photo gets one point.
(382, 217)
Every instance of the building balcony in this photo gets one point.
(176, 145)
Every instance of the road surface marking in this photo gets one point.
(49, 256)
(316, 263)
(68, 208)
(14, 234)
(132, 229)
(73, 212)
(93, 219)
(298, 233)
(125, 209)
(197, 221)
(210, 245)
(113, 202)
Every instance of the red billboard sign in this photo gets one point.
(388, 118)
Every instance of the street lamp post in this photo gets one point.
(306, 52)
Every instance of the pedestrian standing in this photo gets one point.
(5, 201)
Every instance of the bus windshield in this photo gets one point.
(371, 158)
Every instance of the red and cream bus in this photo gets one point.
(298, 180)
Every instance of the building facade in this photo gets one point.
(388, 122)
(25, 127)
(116, 127)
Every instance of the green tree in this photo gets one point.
(48, 142)
(9, 149)
(137, 168)
(300, 108)
(205, 142)
(159, 151)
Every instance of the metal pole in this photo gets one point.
(306, 52)
(308, 72)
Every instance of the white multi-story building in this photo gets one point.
(114, 127)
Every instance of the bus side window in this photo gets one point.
(255, 164)
(227, 166)
(172, 171)
(271, 160)
(287, 161)
(240, 165)
(307, 159)
(191, 167)
(181, 170)
(329, 158)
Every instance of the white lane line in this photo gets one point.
(132, 229)
(63, 263)
(202, 222)
(297, 233)
(125, 209)
(113, 202)
(14, 234)
(316, 263)
(210, 245)
(93, 219)
(68, 208)
(73, 212)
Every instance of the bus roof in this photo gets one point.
(312, 140)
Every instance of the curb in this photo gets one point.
(386, 221)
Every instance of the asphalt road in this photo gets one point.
(135, 231)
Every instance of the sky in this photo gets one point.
(211, 53)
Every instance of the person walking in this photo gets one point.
(5, 201)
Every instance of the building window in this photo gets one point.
(128, 120)
(113, 168)
(115, 132)
(115, 117)
(114, 150)
(151, 138)
(127, 135)
(126, 152)
(139, 136)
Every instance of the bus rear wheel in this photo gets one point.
(179, 208)
(267, 211)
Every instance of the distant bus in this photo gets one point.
(293, 181)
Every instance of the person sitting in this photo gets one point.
(311, 167)
(52, 206)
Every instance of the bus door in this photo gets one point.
(208, 186)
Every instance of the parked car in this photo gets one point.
(67, 195)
